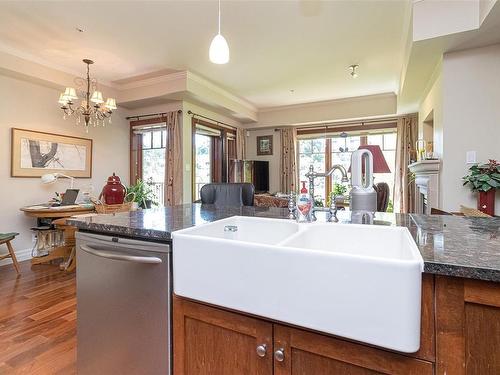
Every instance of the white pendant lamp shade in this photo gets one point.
(219, 50)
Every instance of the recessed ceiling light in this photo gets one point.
(354, 70)
(79, 29)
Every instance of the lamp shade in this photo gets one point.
(97, 97)
(49, 178)
(70, 93)
(379, 162)
(219, 50)
(110, 103)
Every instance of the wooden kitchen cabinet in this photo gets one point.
(209, 341)
(307, 353)
(468, 327)
(460, 336)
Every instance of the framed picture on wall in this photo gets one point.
(35, 153)
(265, 145)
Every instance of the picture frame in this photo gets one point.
(265, 145)
(35, 153)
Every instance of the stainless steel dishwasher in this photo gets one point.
(124, 291)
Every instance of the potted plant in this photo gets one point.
(338, 192)
(143, 194)
(485, 179)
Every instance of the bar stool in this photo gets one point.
(5, 238)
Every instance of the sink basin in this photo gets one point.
(356, 281)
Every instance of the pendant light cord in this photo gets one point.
(219, 17)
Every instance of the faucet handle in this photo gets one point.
(332, 210)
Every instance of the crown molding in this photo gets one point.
(151, 81)
(329, 102)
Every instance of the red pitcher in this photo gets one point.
(113, 192)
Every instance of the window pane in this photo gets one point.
(203, 162)
(375, 139)
(164, 138)
(305, 146)
(157, 139)
(319, 145)
(390, 141)
(146, 140)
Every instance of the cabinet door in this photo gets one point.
(468, 326)
(209, 341)
(306, 353)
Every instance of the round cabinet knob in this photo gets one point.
(279, 355)
(261, 350)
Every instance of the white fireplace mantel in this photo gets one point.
(427, 185)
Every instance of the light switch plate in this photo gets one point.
(470, 157)
(188, 167)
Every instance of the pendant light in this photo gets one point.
(219, 50)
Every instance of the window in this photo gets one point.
(203, 167)
(148, 139)
(153, 161)
(213, 146)
(323, 153)
(312, 152)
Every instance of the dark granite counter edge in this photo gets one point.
(116, 230)
(453, 270)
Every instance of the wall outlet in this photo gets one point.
(34, 238)
(470, 157)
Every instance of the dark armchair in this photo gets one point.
(227, 194)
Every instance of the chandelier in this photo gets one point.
(92, 108)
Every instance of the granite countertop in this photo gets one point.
(450, 245)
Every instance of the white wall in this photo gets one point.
(274, 159)
(471, 118)
(31, 106)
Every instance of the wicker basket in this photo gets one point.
(102, 208)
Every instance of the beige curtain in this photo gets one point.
(288, 163)
(240, 144)
(173, 160)
(404, 187)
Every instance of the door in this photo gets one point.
(298, 352)
(210, 341)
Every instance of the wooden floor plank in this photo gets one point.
(37, 320)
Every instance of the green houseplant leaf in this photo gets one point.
(483, 177)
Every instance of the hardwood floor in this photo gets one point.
(37, 320)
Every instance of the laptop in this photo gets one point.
(69, 197)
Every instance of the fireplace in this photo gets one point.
(426, 185)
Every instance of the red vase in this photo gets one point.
(486, 202)
(113, 192)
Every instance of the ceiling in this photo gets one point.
(276, 46)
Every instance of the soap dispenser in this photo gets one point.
(304, 205)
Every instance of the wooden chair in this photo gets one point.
(5, 238)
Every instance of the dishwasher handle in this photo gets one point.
(116, 256)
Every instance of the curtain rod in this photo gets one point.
(210, 119)
(331, 124)
(149, 115)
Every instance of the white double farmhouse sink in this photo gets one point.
(362, 282)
